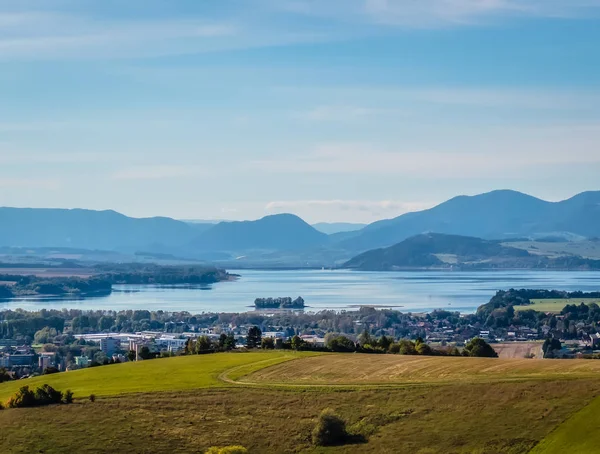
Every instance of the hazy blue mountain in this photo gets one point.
(436, 250)
(331, 228)
(497, 214)
(88, 229)
(284, 232)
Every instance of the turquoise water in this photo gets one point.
(337, 290)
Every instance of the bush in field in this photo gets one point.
(227, 450)
(24, 397)
(330, 429)
(92, 398)
(47, 395)
(480, 348)
(68, 396)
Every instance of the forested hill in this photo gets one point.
(494, 215)
(434, 250)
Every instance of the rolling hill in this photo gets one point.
(281, 232)
(435, 250)
(494, 215)
(93, 230)
(396, 404)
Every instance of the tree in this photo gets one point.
(254, 337)
(230, 342)
(384, 342)
(45, 335)
(131, 355)
(365, 338)
(50, 370)
(479, 348)
(423, 349)
(68, 396)
(340, 344)
(550, 347)
(145, 353)
(267, 343)
(203, 345)
(4, 375)
(189, 346)
(222, 340)
(330, 429)
(297, 342)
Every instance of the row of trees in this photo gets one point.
(366, 343)
(44, 395)
(204, 344)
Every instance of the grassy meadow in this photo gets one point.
(269, 402)
(554, 305)
(167, 374)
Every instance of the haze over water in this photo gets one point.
(337, 290)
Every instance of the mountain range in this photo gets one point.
(502, 214)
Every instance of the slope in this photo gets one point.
(427, 250)
(497, 214)
(285, 232)
(89, 229)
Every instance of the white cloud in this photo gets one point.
(50, 35)
(30, 183)
(344, 210)
(436, 13)
(485, 157)
(158, 172)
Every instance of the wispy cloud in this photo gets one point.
(436, 13)
(480, 160)
(158, 172)
(365, 210)
(30, 183)
(50, 35)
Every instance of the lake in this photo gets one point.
(410, 291)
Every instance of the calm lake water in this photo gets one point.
(338, 290)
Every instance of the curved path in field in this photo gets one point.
(362, 370)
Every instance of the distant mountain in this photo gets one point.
(494, 215)
(281, 232)
(88, 229)
(435, 250)
(331, 228)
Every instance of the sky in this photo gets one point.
(335, 110)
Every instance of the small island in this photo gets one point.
(279, 303)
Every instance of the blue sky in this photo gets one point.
(336, 110)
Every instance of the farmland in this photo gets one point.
(400, 404)
(554, 305)
(359, 369)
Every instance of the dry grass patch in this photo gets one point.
(460, 418)
(363, 369)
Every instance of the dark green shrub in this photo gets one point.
(68, 397)
(24, 397)
(330, 429)
(92, 398)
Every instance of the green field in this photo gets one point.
(554, 305)
(579, 434)
(269, 402)
(168, 374)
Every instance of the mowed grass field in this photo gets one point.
(269, 402)
(364, 369)
(555, 305)
(580, 434)
(167, 374)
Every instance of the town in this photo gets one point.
(51, 341)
